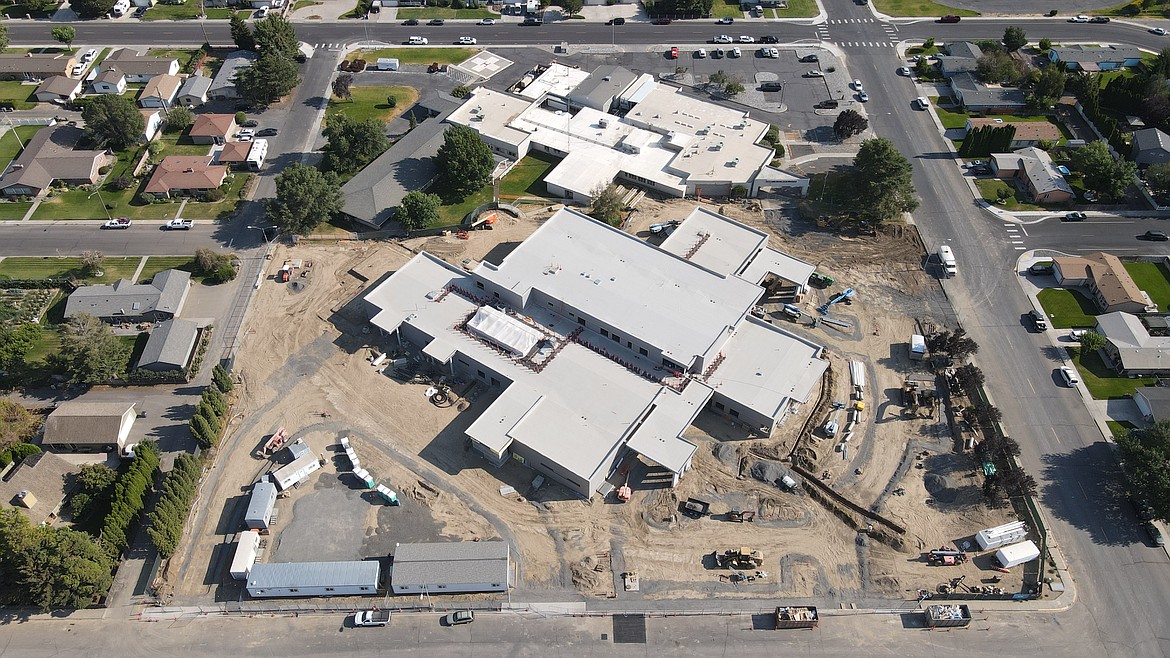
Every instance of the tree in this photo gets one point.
(16, 341)
(222, 379)
(1014, 38)
(1102, 172)
(996, 67)
(928, 44)
(91, 262)
(241, 33)
(418, 210)
(341, 86)
(1091, 341)
(1045, 44)
(92, 8)
(3, 37)
(266, 81)
(16, 423)
(209, 260)
(96, 478)
(1145, 452)
(90, 353)
(922, 68)
(607, 204)
(884, 188)
(64, 34)
(275, 36)
(179, 118)
(572, 7)
(51, 567)
(352, 143)
(733, 88)
(201, 430)
(1049, 86)
(849, 123)
(969, 376)
(112, 120)
(465, 162)
(305, 197)
(1157, 176)
(718, 79)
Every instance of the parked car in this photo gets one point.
(1099, 19)
(417, 41)
(701, 53)
(718, 53)
(77, 70)
(734, 52)
(922, 102)
(746, 39)
(1155, 534)
(1079, 18)
(250, 123)
(904, 70)
(949, 18)
(371, 618)
(267, 132)
(616, 21)
(661, 21)
(89, 55)
(1073, 217)
(726, 20)
(1038, 319)
(245, 133)
(856, 84)
(771, 86)
(140, 12)
(1040, 269)
(863, 97)
(466, 41)
(722, 38)
(814, 74)
(830, 104)
(1155, 236)
(459, 617)
(487, 21)
(533, 20)
(673, 54)
(261, 14)
(435, 21)
(179, 225)
(1076, 335)
(117, 222)
(411, 22)
(1069, 376)
(810, 58)
(771, 38)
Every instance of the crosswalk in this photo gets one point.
(865, 44)
(843, 21)
(1013, 232)
(331, 46)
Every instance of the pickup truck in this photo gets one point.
(371, 617)
(179, 225)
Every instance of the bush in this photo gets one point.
(462, 91)
(103, 170)
(222, 379)
(224, 273)
(212, 195)
(241, 118)
(174, 505)
(391, 101)
(1052, 12)
(1045, 44)
(17, 452)
(358, 65)
(457, 4)
(121, 183)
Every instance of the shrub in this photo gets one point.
(391, 101)
(358, 65)
(212, 195)
(462, 91)
(224, 273)
(222, 379)
(457, 4)
(103, 170)
(241, 118)
(121, 183)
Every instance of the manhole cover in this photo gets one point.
(629, 629)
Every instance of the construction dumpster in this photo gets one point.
(796, 616)
(948, 616)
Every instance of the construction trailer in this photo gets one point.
(451, 567)
(305, 579)
(294, 473)
(1017, 554)
(948, 616)
(298, 449)
(917, 347)
(797, 616)
(1001, 535)
(247, 547)
(260, 506)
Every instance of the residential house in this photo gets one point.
(50, 156)
(193, 93)
(1129, 347)
(1095, 58)
(160, 91)
(1028, 133)
(976, 96)
(81, 426)
(58, 88)
(109, 81)
(1109, 283)
(32, 66)
(601, 89)
(37, 487)
(154, 123)
(223, 87)
(959, 57)
(1153, 402)
(1150, 146)
(161, 299)
(1035, 172)
(248, 156)
(139, 67)
(170, 346)
(212, 128)
(185, 175)
(371, 196)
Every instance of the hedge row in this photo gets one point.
(170, 514)
(129, 494)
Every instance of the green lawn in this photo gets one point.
(452, 212)
(183, 12)
(951, 117)
(10, 145)
(72, 204)
(798, 9)
(221, 13)
(415, 55)
(726, 9)
(370, 102)
(20, 95)
(181, 144)
(527, 177)
(1117, 427)
(156, 264)
(990, 188)
(443, 12)
(919, 50)
(1103, 383)
(14, 210)
(38, 267)
(918, 8)
(301, 4)
(1153, 278)
(1068, 308)
(184, 56)
(16, 10)
(219, 209)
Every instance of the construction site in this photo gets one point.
(863, 492)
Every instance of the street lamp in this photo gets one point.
(98, 192)
(264, 231)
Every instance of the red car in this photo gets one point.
(949, 18)
(674, 53)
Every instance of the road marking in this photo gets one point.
(1020, 249)
(1025, 230)
(1017, 242)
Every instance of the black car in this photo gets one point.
(140, 12)
(810, 58)
(830, 104)
(617, 21)
(533, 20)
(411, 21)
(1156, 236)
(250, 123)
(1099, 19)
(1074, 217)
(435, 21)
(1040, 269)
(267, 132)
(771, 86)
(769, 38)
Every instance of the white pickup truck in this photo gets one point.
(179, 225)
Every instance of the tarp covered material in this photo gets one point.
(1001, 535)
(503, 330)
(857, 371)
(1016, 554)
(917, 346)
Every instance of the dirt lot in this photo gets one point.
(305, 365)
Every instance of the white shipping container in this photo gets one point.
(1017, 554)
(1001, 535)
(245, 556)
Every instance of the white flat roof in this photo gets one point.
(764, 367)
(726, 246)
(558, 80)
(658, 436)
(657, 297)
(491, 113)
(770, 261)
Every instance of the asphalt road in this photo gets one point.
(141, 239)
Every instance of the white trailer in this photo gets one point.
(917, 347)
(247, 546)
(297, 471)
(1001, 535)
(1017, 554)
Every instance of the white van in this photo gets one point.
(120, 7)
(947, 258)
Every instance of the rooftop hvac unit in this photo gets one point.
(603, 122)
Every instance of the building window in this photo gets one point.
(293, 589)
(442, 587)
(581, 321)
(481, 374)
(643, 352)
(496, 295)
(328, 589)
(605, 332)
(617, 339)
(719, 406)
(365, 589)
(479, 284)
(734, 413)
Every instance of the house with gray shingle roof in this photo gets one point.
(159, 300)
(193, 93)
(960, 57)
(1095, 58)
(81, 426)
(976, 96)
(49, 156)
(1150, 146)
(170, 346)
